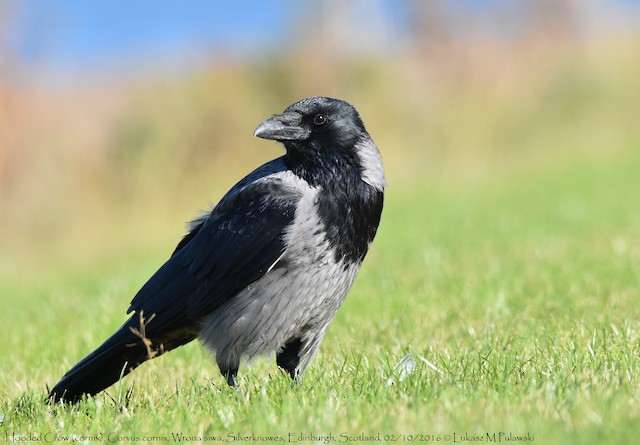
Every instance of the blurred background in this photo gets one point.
(118, 119)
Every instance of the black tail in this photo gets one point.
(117, 356)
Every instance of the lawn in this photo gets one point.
(498, 309)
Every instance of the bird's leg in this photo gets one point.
(231, 374)
(288, 359)
(232, 380)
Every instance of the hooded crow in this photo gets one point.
(266, 270)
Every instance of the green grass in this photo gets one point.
(508, 305)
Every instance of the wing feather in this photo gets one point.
(235, 246)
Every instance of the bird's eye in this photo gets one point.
(320, 119)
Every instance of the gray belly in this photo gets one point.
(290, 301)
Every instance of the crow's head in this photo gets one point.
(315, 122)
(325, 138)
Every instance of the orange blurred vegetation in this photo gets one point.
(110, 163)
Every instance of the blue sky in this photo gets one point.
(66, 36)
(67, 33)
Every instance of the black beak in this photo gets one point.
(282, 127)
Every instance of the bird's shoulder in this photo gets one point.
(268, 195)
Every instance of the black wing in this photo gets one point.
(222, 255)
